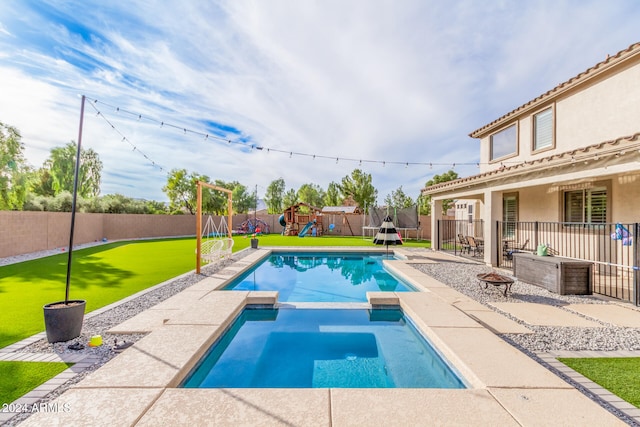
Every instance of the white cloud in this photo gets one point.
(377, 80)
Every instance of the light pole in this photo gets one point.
(74, 200)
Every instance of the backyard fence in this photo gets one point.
(611, 248)
(26, 232)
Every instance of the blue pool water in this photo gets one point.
(320, 277)
(318, 348)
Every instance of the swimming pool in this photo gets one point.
(319, 348)
(320, 277)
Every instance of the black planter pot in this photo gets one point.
(63, 322)
(254, 243)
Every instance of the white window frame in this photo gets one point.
(543, 128)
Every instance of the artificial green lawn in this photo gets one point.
(18, 378)
(107, 273)
(619, 375)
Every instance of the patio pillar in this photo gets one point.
(436, 215)
(492, 213)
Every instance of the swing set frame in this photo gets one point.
(199, 185)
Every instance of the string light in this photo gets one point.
(124, 138)
(207, 136)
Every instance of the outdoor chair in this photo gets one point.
(517, 248)
(464, 244)
(211, 250)
(476, 246)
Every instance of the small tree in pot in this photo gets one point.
(63, 319)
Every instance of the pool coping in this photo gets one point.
(506, 386)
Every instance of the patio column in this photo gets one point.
(492, 213)
(436, 214)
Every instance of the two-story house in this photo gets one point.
(570, 157)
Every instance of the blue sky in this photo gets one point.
(394, 81)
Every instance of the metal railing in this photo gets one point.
(612, 248)
(449, 231)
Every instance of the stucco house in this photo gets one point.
(567, 162)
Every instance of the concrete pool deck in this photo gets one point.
(506, 387)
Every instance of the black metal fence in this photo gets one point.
(612, 248)
(451, 231)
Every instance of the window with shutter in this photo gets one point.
(588, 205)
(509, 215)
(597, 206)
(574, 206)
(543, 129)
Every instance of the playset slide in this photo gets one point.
(306, 228)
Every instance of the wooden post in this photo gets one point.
(230, 214)
(198, 226)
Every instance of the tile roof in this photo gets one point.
(597, 69)
(601, 149)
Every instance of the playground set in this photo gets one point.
(253, 226)
(302, 222)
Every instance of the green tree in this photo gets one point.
(181, 188)
(290, 198)
(333, 197)
(398, 199)
(62, 202)
(61, 168)
(155, 207)
(425, 200)
(215, 201)
(13, 169)
(243, 201)
(360, 188)
(120, 204)
(42, 182)
(274, 196)
(312, 194)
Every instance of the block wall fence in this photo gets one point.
(26, 232)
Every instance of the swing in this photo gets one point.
(215, 247)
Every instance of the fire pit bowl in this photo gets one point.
(495, 279)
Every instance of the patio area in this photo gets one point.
(505, 385)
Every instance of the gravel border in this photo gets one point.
(459, 275)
